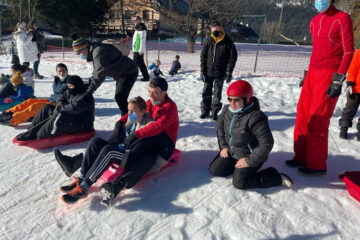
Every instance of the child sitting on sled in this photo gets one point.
(100, 153)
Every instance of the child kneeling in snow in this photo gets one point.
(101, 153)
(175, 66)
(155, 69)
(245, 140)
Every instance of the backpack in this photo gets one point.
(122, 47)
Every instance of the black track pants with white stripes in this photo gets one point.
(98, 157)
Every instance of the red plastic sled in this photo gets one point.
(352, 182)
(115, 170)
(62, 139)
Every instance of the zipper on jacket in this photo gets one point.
(214, 52)
(232, 121)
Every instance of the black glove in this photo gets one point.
(301, 83)
(202, 77)
(348, 89)
(118, 134)
(334, 89)
(130, 140)
(58, 108)
(228, 77)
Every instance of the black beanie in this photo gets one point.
(78, 84)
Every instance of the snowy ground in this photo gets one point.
(185, 201)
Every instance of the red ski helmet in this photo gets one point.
(241, 88)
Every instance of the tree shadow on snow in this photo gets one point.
(336, 164)
(104, 112)
(158, 192)
(280, 114)
(306, 236)
(103, 100)
(189, 129)
(281, 124)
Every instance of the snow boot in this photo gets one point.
(311, 172)
(343, 132)
(5, 118)
(71, 186)
(204, 115)
(144, 79)
(38, 76)
(110, 190)
(68, 164)
(286, 180)
(292, 163)
(214, 116)
(74, 195)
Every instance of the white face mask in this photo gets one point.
(62, 77)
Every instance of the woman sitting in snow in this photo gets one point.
(73, 113)
(101, 153)
(245, 140)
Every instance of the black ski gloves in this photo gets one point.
(228, 77)
(301, 83)
(118, 134)
(130, 140)
(202, 77)
(334, 89)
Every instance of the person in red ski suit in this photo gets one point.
(333, 48)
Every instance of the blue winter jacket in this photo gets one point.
(24, 92)
(155, 69)
(59, 87)
(175, 66)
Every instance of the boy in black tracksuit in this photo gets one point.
(218, 59)
(245, 140)
(73, 113)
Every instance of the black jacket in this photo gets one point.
(108, 61)
(217, 59)
(81, 106)
(246, 134)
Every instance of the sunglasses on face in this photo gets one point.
(236, 100)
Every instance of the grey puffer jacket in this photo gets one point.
(246, 134)
(108, 61)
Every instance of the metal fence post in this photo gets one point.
(62, 46)
(256, 57)
(159, 49)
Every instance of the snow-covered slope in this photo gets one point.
(185, 201)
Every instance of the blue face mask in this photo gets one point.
(133, 117)
(82, 56)
(322, 5)
(156, 103)
(235, 111)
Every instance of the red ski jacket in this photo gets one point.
(354, 72)
(333, 40)
(166, 119)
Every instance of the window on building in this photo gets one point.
(145, 15)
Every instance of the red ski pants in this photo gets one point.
(314, 111)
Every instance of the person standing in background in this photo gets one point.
(139, 46)
(39, 39)
(218, 59)
(26, 48)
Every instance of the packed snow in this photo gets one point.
(184, 201)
